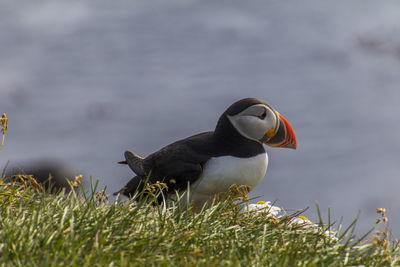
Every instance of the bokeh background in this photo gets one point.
(81, 81)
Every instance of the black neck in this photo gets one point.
(232, 140)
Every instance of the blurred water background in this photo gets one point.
(81, 81)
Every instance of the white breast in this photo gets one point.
(221, 172)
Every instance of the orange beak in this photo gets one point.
(284, 136)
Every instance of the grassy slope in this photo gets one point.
(39, 229)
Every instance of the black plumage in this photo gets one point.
(181, 163)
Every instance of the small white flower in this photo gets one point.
(306, 223)
(303, 221)
(262, 208)
(331, 234)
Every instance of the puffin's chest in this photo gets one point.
(220, 173)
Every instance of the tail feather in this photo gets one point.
(135, 162)
(136, 184)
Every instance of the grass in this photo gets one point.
(42, 229)
(3, 128)
(38, 228)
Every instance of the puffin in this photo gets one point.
(209, 163)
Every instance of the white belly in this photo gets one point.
(221, 172)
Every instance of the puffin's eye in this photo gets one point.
(262, 116)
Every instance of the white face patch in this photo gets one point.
(254, 122)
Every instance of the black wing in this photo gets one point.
(176, 179)
(134, 162)
(177, 165)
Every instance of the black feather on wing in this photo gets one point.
(174, 182)
(176, 165)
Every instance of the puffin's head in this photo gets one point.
(256, 120)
